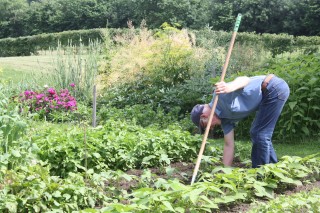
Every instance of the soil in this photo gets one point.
(183, 172)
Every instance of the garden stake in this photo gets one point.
(205, 136)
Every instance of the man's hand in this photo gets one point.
(222, 87)
(238, 83)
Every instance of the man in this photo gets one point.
(265, 95)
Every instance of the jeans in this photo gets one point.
(273, 100)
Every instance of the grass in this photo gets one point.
(302, 149)
(17, 69)
(297, 149)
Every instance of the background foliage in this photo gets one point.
(153, 80)
(31, 17)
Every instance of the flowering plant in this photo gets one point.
(49, 100)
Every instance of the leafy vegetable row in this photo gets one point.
(31, 188)
(225, 186)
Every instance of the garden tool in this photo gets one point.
(215, 101)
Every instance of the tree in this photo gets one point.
(12, 17)
(264, 16)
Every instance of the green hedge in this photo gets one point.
(275, 43)
(24, 46)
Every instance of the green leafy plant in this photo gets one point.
(300, 115)
(12, 127)
(299, 202)
(115, 145)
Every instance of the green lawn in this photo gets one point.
(282, 149)
(17, 69)
(299, 149)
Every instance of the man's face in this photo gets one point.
(204, 118)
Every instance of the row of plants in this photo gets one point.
(225, 186)
(300, 202)
(31, 182)
(115, 145)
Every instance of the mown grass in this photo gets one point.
(17, 69)
(301, 149)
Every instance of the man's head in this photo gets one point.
(200, 116)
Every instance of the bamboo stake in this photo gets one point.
(205, 136)
(94, 107)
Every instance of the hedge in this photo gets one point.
(275, 43)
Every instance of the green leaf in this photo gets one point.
(209, 203)
(260, 191)
(56, 194)
(226, 170)
(164, 158)
(96, 155)
(16, 153)
(11, 206)
(194, 194)
(305, 130)
(292, 104)
(168, 206)
(313, 80)
(66, 196)
(179, 209)
(146, 160)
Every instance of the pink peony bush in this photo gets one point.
(49, 101)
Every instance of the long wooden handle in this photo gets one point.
(215, 101)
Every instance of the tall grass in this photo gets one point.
(76, 65)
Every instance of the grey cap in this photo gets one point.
(196, 113)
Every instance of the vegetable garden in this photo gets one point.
(140, 156)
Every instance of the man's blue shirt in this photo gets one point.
(235, 106)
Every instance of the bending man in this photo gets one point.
(264, 95)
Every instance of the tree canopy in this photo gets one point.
(30, 17)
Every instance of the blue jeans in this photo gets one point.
(273, 100)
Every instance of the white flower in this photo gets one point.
(45, 86)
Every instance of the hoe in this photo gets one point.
(215, 101)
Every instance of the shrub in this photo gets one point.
(300, 116)
(163, 59)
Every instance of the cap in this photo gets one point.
(196, 113)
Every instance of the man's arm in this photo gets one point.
(238, 83)
(228, 150)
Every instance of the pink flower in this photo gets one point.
(72, 85)
(49, 100)
(27, 93)
(71, 103)
(51, 91)
(39, 96)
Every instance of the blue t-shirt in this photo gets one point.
(235, 106)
